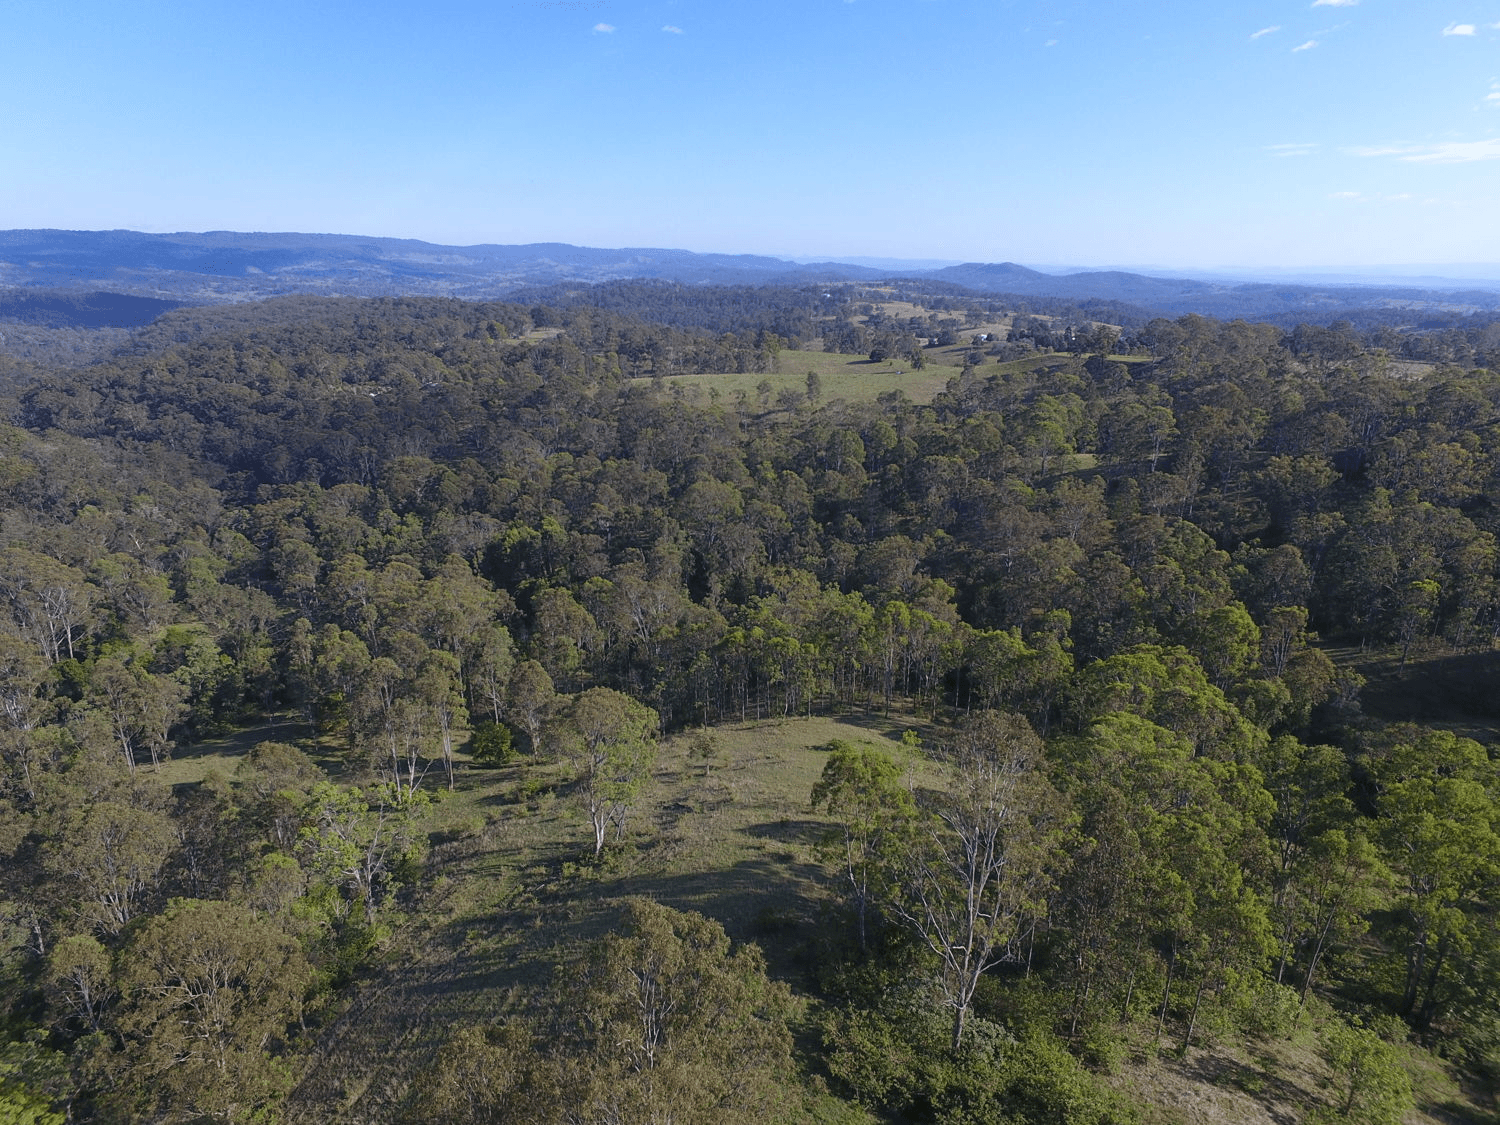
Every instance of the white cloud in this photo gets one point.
(1296, 149)
(673, 30)
(1334, 3)
(1266, 31)
(1308, 46)
(1459, 29)
(1448, 152)
(604, 28)
(1457, 152)
(1361, 197)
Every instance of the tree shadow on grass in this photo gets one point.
(1457, 689)
(887, 726)
(787, 830)
(1284, 1101)
(236, 744)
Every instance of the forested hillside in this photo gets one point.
(354, 646)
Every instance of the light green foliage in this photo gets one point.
(896, 1056)
(272, 784)
(862, 789)
(1167, 837)
(22, 710)
(343, 508)
(79, 981)
(611, 740)
(706, 750)
(1439, 830)
(32, 1078)
(361, 840)
(667, 1020)
(1369, 1084)
(109, 855)
(1167, 686)
(492, 744)
(530, 700)
(438, 687)
(983, 858)
(141, 708)
(486, 1076)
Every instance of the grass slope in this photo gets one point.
(507, 892)
(850, 377)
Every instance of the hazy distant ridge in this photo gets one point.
(229, 265)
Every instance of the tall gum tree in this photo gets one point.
(983, 856)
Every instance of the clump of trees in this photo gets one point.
(661, 1020)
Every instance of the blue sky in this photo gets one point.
(1182, 133)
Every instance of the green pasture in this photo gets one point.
(850, 377)
(854, 378)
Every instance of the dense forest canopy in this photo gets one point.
(1122, 574)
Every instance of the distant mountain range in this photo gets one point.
(223, 266)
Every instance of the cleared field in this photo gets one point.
(850, 377)
(508, 889)
(1436, 688)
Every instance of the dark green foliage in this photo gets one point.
(492, 744)
(897, 1057)
(401, 521)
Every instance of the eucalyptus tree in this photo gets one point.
(983, 857)
(611, 741)
(861, 787)
(209, 993)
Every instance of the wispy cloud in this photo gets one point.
(1346, 195)
(1364, 197)
(1266, 31)
(1297, 149)
(604, 28)
(1308, 46)
(1460, 29)
(1447, 152)
(1334, 3)
(673, 30)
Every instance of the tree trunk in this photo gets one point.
(1193, 1017)
(1166, 996)
(960, 1016)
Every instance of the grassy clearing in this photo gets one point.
(510, 889)
(850, 377)
(1452, 691)
(190, 765)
